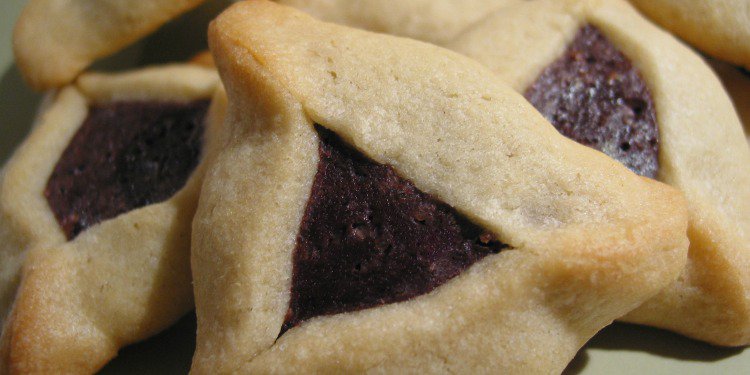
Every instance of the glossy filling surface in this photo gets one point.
(369, 237)
(126, 155)
(595, 96)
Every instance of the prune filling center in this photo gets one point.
(369, 237)
(594, 95)
(125, 155)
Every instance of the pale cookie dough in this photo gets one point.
(71, 296)
(435, 21)
(702, 148)
(720, 28)
(586, 239)
(55, 40)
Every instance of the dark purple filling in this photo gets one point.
(126, 155)
(369, 237)
(595, 96)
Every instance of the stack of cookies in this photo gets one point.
(361, 186)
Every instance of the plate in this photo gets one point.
(618, 349)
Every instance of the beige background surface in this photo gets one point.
(620, 349)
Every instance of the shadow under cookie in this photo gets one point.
(18, 104)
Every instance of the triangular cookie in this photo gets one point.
(608, 78)
(538, 242)
(95, 213)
